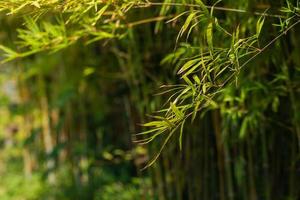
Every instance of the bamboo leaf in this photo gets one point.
(161, 149)
(188, 65)
(181, 134)
(100, 13)
(177, 112)
(186, 25)
(203, 7)
(196, 79)
(259, 25)
(209, 36)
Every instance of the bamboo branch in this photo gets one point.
(148, 4)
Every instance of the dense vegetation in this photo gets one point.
(138, 99)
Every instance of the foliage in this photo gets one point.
(86, 70)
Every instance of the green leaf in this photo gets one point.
(259, 25)
(196, 109)
(9, 54)
(196, 79)
(209, 35)
(100, 13)
(155, 124)
(181, 134)
(186, 25)
(176, 111)
(188, 81)
(188, 65)
(203, 7)
(161, 149)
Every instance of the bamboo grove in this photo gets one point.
(138, 99)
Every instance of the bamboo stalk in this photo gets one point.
(220, 153)
(46, 129)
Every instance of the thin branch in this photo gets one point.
(270, 43)
(263, 49)
(148, 4)
(148, 20)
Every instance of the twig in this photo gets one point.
(263, 49)
(144, 21)
(215, 8)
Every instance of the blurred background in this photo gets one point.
(68, 119)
